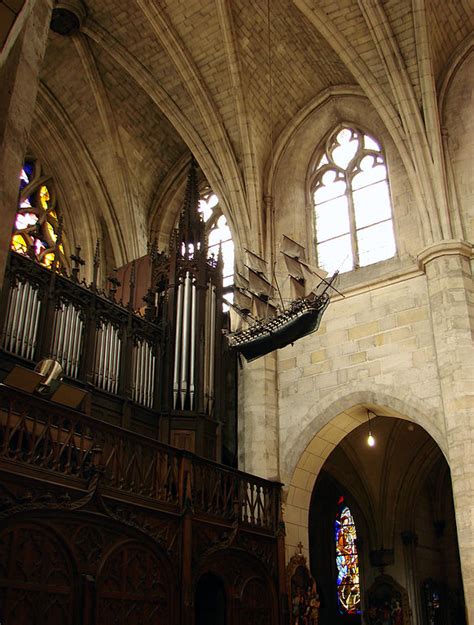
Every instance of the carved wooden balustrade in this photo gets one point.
(46, 314)
(47, 441)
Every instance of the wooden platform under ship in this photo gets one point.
(263, 324)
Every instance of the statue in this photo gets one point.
(303, 595)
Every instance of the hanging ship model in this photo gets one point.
(264, 325)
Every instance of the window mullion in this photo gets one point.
(352, 223)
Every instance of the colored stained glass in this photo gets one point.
(347, 561)
(36, 225)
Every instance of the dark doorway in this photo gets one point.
(210, 601)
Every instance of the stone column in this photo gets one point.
(19, 80)
(451, 294)
(258, 417)
(410, 542)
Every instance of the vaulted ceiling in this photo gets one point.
(124, 100)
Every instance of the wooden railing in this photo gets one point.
(59, 441)
(46, 314)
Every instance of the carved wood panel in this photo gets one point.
(36, 578)
(133, 589)
(256, 604)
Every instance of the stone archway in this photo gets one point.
(315, 444)
(403, 499)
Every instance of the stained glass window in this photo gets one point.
(36, 228)
(347, 561)
(219, 235)
(353, 214)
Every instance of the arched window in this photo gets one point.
(36, 228)
(218, 234)
(347, 561)
(353, 213)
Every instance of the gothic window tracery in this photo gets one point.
(347, 560)
(37, 224)
(218, 235)
(353, 213)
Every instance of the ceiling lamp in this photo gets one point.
(370, 438)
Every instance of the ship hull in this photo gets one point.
(278, 332)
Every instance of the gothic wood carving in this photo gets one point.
(256, 603)
(133, 588)
(302, 592)
(36, 578)
(387, 603)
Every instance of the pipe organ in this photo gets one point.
(20, 331)
(107, 361)
(67, 337)
(166, 372)
(188, 291)
(143, 373)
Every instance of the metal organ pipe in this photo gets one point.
(177, 344)
(152, 381)
(21, 314)
(142, 370)
(193, 346)
(98, 355)
(30, 325)
(9, 323)
(77, 344)
(108, 358)
(66, 344)
(14, 316)
(113, 360)
(105, 357)
(206, 345)
(35, 323)
(185, 342)
(146, 384)
(22, 344)
(211, 349)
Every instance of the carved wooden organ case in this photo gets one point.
(188, 296)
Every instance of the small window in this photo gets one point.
(353, 213)
(36, 228)
(347, 561)
(219, 237)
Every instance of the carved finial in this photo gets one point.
(96, 264)
(132, 285)
(153, 250)
(114, 282)
(150, 309)
(78, 263)
(191, 235)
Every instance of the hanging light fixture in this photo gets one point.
(370, 438)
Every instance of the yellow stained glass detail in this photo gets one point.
(19, 244)
(52, 234)
(44, 197)
(48, 259)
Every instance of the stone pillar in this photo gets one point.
(19, 80)
(410, 542)
(451, 294)
(258, 417)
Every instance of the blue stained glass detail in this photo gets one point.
(347, 561)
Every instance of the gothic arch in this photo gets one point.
(241, 573)
(133, 582)
(334, 420)
(287, 179)
(37, 575)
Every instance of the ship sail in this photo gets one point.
(269, 327)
